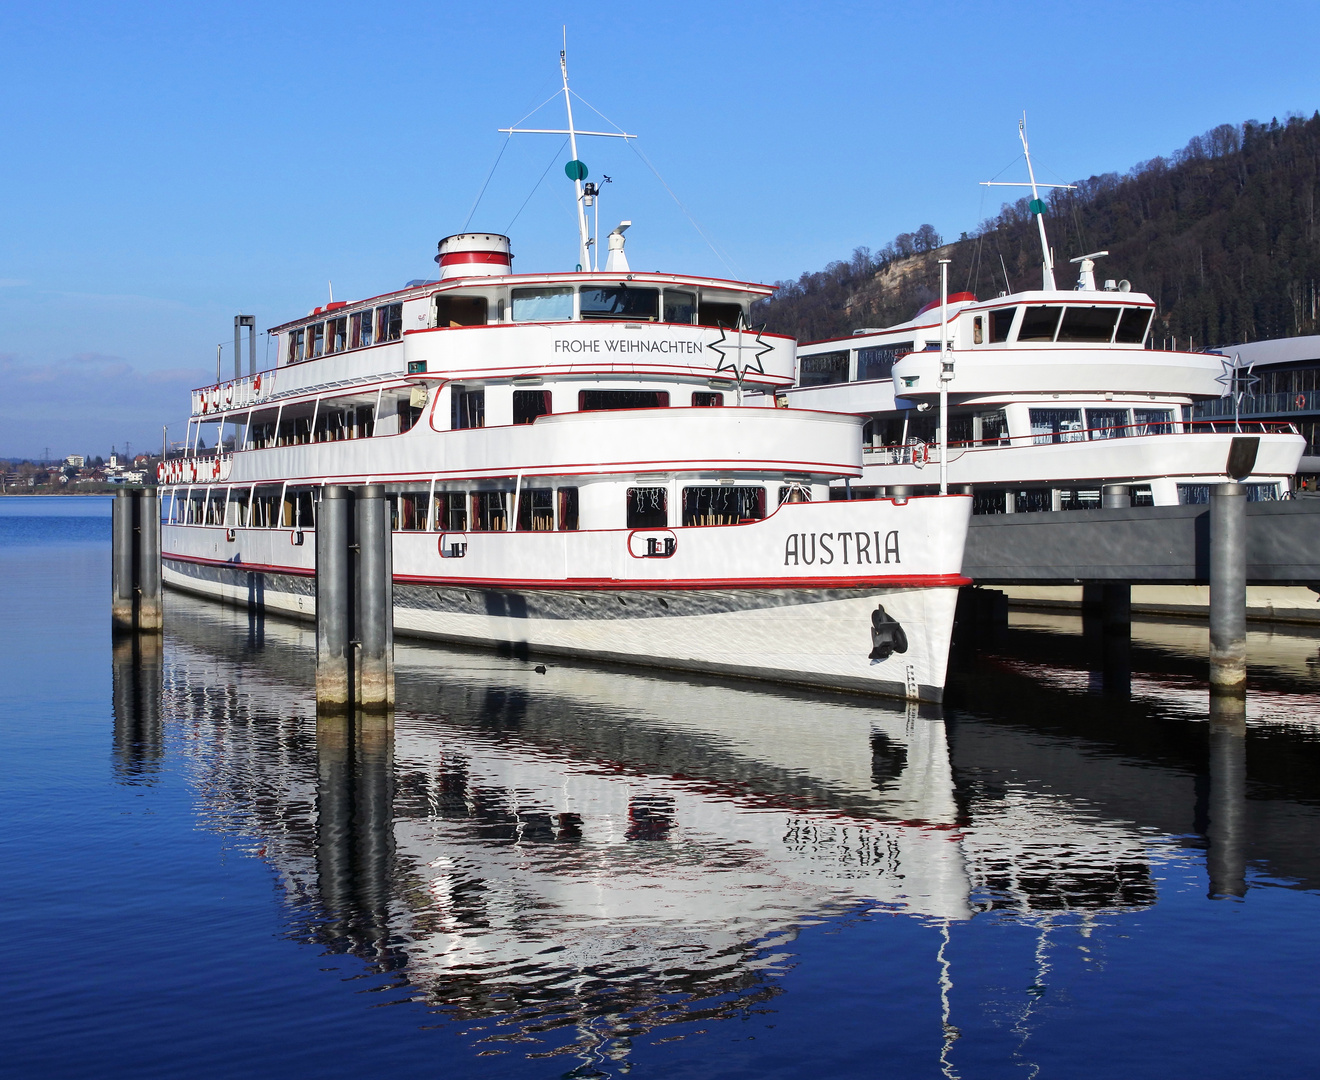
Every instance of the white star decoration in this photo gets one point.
(737, 346)
(1236, 379)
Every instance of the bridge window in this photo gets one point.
(713, 314)
(529, 404)
(542, 305)
(596, 400)
(315, 340)
(389, 322)
(620, 302)
(680, 307)
(648, 507)
(468, 408)
(1039, 323)
(1056, 425)
(1001, 322)
(1089, 324)
(722, 505)
(296, 338)
(568, 509)
(1133, 325)
(878, 362)
(359, 330)
(536, 510)
(460, 310)
(823, 369)
(703, 399)
(490, 511)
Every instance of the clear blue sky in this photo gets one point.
(169, 165)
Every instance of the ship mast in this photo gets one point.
(576, 168)
(1037, 206)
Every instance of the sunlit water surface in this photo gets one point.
(1071, 871)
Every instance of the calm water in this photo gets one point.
(1072, 871)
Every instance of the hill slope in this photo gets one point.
(1222, 235)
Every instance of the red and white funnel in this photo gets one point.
(474, 255)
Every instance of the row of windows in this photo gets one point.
(538, 509)
(468, 405)
(344, 332)
(1065, 425)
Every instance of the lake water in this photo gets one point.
(1072, 870)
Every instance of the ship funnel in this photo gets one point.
(474, 255)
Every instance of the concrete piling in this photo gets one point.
(354, 601)
(1228, 589)
(1226, 832)
(135, 577)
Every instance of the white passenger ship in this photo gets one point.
(573, 469)
(1054, 395)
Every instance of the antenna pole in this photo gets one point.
(583, 250)
(1047, 265)
(945, 375)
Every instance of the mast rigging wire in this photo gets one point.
(525, 201)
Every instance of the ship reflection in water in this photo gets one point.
(564, 859)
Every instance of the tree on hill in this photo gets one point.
(1222, 235)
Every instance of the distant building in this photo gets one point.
(76, 461)
(1289, 390)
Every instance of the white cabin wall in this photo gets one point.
(499, 405)
(601, 505)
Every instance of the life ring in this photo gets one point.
(215, 469)
(160, 472)
(1300, 401)
(229, 395)
(920, 453)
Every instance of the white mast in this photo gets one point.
(575, 168)
(1037, 206)
(946, 373)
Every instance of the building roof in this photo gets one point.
(1290, 350)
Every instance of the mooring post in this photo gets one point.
(1115, 496)
(334, 649)
(1226, 850)
(150, 609)
(1228, 589)
(375, 578)
(123, 593)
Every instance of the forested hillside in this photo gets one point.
(1222, 235)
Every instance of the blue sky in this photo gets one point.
(169, 165)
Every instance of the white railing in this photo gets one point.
(194, 470)
(235, 394)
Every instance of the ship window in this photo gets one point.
(993, 428)
(620, 302)
(568, 509)
(315, 340)
(722, 505)
(359, 330)
(536, 510)
(978, 330)
(1039, 324)
(1107, 423)
(595, 400)
(704, 399)
(1001, 322)
(529, 404)
(680, 307)
(409, 511)
(408, 414)
(468, 408)
(794, 493)
(648, 507)
(823, 369)
(451, 511)
(460, 310)
(878, 361)
(296, 345)
(1094, 324)
(542, 305)
(1152, 421)
(489, 511)
(389, 322)
(336, 334)
(1133, 325)
(712, 314)
(1056, 425)
(265, 507)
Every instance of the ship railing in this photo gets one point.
(915, 452)
(235, 394)
(186, 471)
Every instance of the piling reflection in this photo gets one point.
(136, 702)
(561, 858)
